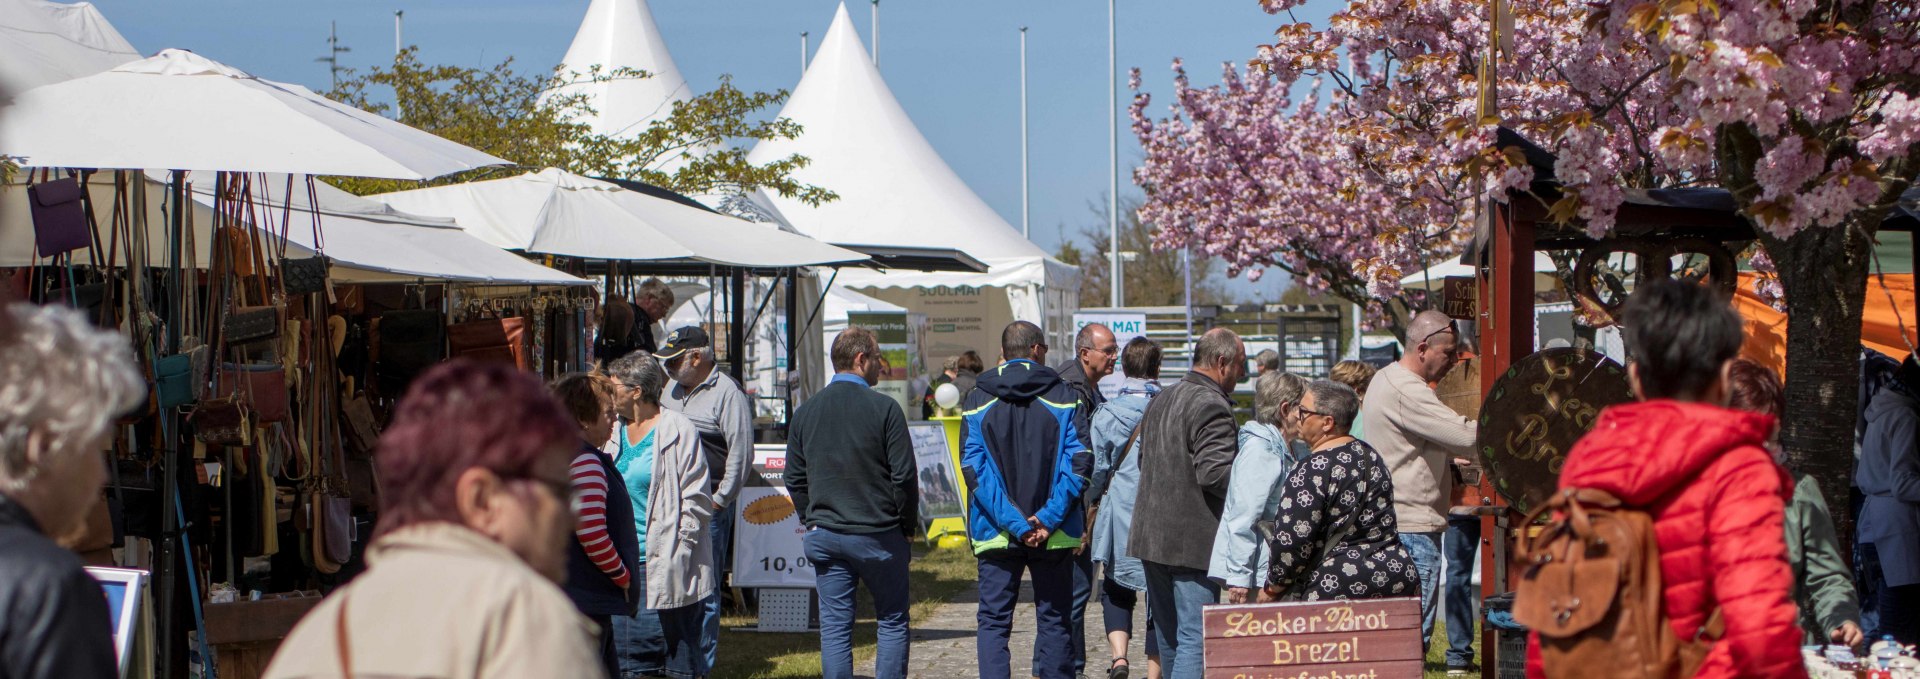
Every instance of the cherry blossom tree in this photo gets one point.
(1807, 111)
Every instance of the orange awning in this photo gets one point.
(1880, 325)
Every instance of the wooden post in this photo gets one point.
(1506, 336)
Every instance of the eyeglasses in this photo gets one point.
(1447, 329)
(1303, 412)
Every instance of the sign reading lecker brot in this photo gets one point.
(1367, 639)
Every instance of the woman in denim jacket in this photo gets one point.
(1111, 492)
(1268, 450)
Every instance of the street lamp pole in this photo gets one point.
(1116, 296)
(1026, 227)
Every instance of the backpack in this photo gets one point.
(1590, 587)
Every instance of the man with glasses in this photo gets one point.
(1418, 436)
(1095, 350)
(724, 418)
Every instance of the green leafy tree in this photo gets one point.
(528, 119)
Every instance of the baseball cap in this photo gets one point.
(680, 340)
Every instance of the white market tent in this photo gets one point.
(895, 190)
(369, 242)
(1434, 277)
(617, 34)
(181, 111)
(560, 213)
(42, 43)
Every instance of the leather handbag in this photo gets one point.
(362, 429)
(252, 323)
(221, 423)
(305, 276)
(173, 380)
(407, 343)
(502, 340)
(90, 299)
(59, 218)
(261, 387)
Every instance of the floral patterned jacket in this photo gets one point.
(1335, 536)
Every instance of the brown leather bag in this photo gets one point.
(502, 340)
(1591, 589)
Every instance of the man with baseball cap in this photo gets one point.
(724, 418)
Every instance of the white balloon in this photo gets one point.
(947, 396)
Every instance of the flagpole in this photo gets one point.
(1026, 226)
(1113, 166)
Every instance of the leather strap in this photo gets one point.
(341, 644)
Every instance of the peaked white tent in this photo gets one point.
(42, 43)
(896, 191)
(618, 34)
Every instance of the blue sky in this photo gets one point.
(953, 66)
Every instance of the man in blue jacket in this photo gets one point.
(1026, 466)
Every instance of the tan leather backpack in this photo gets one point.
(1591, 589)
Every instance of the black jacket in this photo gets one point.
(1075, 375)
(54, 622)
(850, 466)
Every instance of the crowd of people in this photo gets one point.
(577, 528)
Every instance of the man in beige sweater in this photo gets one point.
(1418, 435)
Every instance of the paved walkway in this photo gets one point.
(943, 645)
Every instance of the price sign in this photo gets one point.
(1368, 639)
(767, 548)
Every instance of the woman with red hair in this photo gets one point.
(1822, 585)
(473, 537)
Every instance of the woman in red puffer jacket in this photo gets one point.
(1718, 499)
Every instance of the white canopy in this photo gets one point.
(179, 110)
(560, 213)
(42, 43)
(1433, 278)
(369, 242)
(618, 34)
(894, 189)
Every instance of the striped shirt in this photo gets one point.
(589, 483)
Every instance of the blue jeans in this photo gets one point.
(655, 642)
(1462, 543)
(840, 562)
(1053, 641)
(722, 563)
(1425, 550)
(1174, 598)
(1077, 616)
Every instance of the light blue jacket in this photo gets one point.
(1239, 555)
(1112, 424)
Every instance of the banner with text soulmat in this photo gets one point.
(1366, 639)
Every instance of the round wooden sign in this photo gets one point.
(1534, 414)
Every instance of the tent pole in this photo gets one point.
(793, 339)
(737, 317)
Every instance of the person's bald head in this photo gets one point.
(1433, 345)
(1096, 349)
(1221, 356)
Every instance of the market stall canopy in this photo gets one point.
(1434, 277)
(179, 110)
(42, 43)
(894, 189)
(369, 242)
(560, 213)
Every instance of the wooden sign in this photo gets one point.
(1534, 414)
(1459, 297)
(1364, 639)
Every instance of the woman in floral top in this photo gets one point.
(1335, 536)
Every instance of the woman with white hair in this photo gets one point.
(62, 385)
(1269, 447)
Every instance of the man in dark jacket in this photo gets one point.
(1026, 466)
(1187, 446)
(1094, 350)
(67, 383)
(1889, 480)
(862, 506)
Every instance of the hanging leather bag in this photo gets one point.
(499, 340)
(59, 218)
(408, 343)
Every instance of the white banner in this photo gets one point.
(767, 551)
(1125, 327)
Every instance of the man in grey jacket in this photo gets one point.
(1187, 447)
(724, 417)
(1418, 436)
